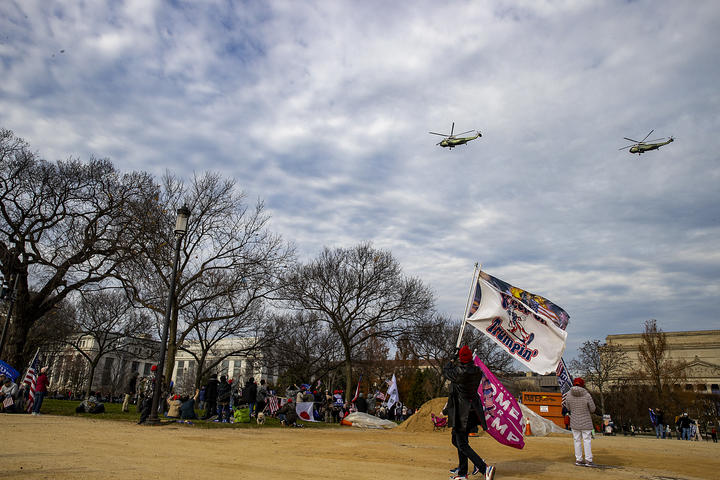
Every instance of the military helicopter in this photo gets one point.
(451, 141)
(643, 146)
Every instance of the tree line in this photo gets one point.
(91, 248)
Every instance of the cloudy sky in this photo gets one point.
(322, 109)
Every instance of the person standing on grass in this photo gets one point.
(581, 405)
(41, 385)
(465, 412)
(211, 391)
(659, 423)
(260, 397)
(250, 394)
(223, 400)
(130, 388)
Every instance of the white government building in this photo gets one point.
(238, 367)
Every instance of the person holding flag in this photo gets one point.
(41, 385)
(465, 412)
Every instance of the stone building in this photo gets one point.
(69, 369)
(239, 367)
(699, 349)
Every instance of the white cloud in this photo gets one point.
(323, 110)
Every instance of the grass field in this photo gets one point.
(66, 408)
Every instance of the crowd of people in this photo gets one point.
(219, 399)
(15, 398)
(686, 428)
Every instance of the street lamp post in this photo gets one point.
(183, 214)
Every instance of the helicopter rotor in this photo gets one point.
(646, 136)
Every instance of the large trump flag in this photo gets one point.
(527, 326)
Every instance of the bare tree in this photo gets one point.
(105, 324)
(228, 256)
(207, 341)
(361, 293)
(63, 226)
(304, 349)
(656, 366)
(601, 364)
(433, 339)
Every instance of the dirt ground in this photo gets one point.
(54, 447)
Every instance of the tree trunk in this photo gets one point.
(91, 375)
(15, 351)
(348, 379)
(199, 370)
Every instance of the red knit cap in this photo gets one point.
(153, 368)
(579, 382)
(465, 355)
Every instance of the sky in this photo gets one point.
(322, 110)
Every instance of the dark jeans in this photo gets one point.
(210, 408)
(223, 410)
(37, 403)
(465, 452)
(145, 409)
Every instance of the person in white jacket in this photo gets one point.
(580, 404)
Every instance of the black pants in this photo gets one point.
(145, 409)
(210, 408)
(465, 452)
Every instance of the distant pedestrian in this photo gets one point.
(659, 423)
(41, 388)
(581, 405)
(260, 396)
(361, 403)
(211, 391)
(9, 395)
(130, 389)
(250, 394)
(684, 424)
(223, 400)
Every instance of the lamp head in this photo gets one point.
(183, 214)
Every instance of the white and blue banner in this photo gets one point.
(529, 327)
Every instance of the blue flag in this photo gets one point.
(8, 371)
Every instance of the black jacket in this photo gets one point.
(131, 385)
(223, 392)
(211, 390)
(250, 392)
(464, 399)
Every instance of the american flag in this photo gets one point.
(357, 390)
(273, 404)
(30, 379)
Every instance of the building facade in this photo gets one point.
(69, 369)
(698, 349)
(239, 367)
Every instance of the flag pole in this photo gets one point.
(31, 362)
(476, 274)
